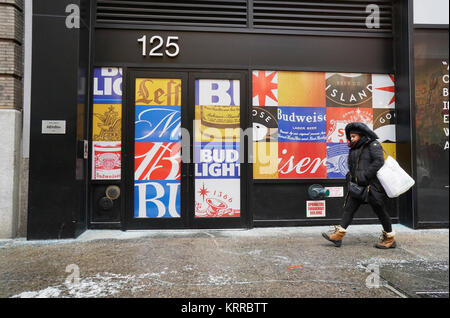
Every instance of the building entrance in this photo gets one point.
(184, 162)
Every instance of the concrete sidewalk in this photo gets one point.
(262, 262)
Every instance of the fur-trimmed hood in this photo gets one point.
(360, 128)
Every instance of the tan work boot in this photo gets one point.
(387, 240)
(335, 236)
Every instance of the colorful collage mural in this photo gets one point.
(157, 154)
(107, 124)
(299, 120)
(217, 148)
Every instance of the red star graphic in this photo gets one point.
(390, 89)
(203, 192)
(263, 86)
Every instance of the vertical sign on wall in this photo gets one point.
(217, 148)
(157, 151)
(431, 62)
(107, 124)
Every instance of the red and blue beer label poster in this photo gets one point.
(157, 148)
(157, 161)
(217, 160)
(265, 124)
(349, 90)
(302, 124)
(107, 123)
(383, 91)
(107, 85)
(384, 124)
(302, 160)
(157, 199)
(337, 160)
(157, 123)
(217, 198)
(307, 139)
(106, 160)
(339, 117)
(265, 88)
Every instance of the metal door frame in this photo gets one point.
(187, 196)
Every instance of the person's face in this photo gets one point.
(354, 137)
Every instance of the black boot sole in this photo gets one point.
(394, 245)
(336, 243)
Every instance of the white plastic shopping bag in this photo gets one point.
(394, 179)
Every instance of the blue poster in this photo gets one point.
(107, 85)
(217, 160)
(337, 157)
(158, 123)
(157, 199)
(302, 124)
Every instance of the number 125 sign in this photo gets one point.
(160, 46)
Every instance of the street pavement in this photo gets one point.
(293, 262)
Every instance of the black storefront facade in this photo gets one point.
(112, 98)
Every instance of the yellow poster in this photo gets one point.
(217, 123)
(158, 91)
(301, 89)
(265, 160)
(107, 122)
(391, 149)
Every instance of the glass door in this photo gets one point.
(219, 181)
(156, 175)
(183, 155)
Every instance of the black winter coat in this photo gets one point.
(371, 159)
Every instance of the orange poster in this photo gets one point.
(158, 91)
(301, 89)
(265, 160)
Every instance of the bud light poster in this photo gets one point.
(217, 198)
(217, 160)
(217, 148)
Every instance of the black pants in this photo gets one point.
(380, 210)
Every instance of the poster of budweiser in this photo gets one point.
(106, 163)
(302, 160)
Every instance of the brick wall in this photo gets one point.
(11, 105)
(11, 53)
